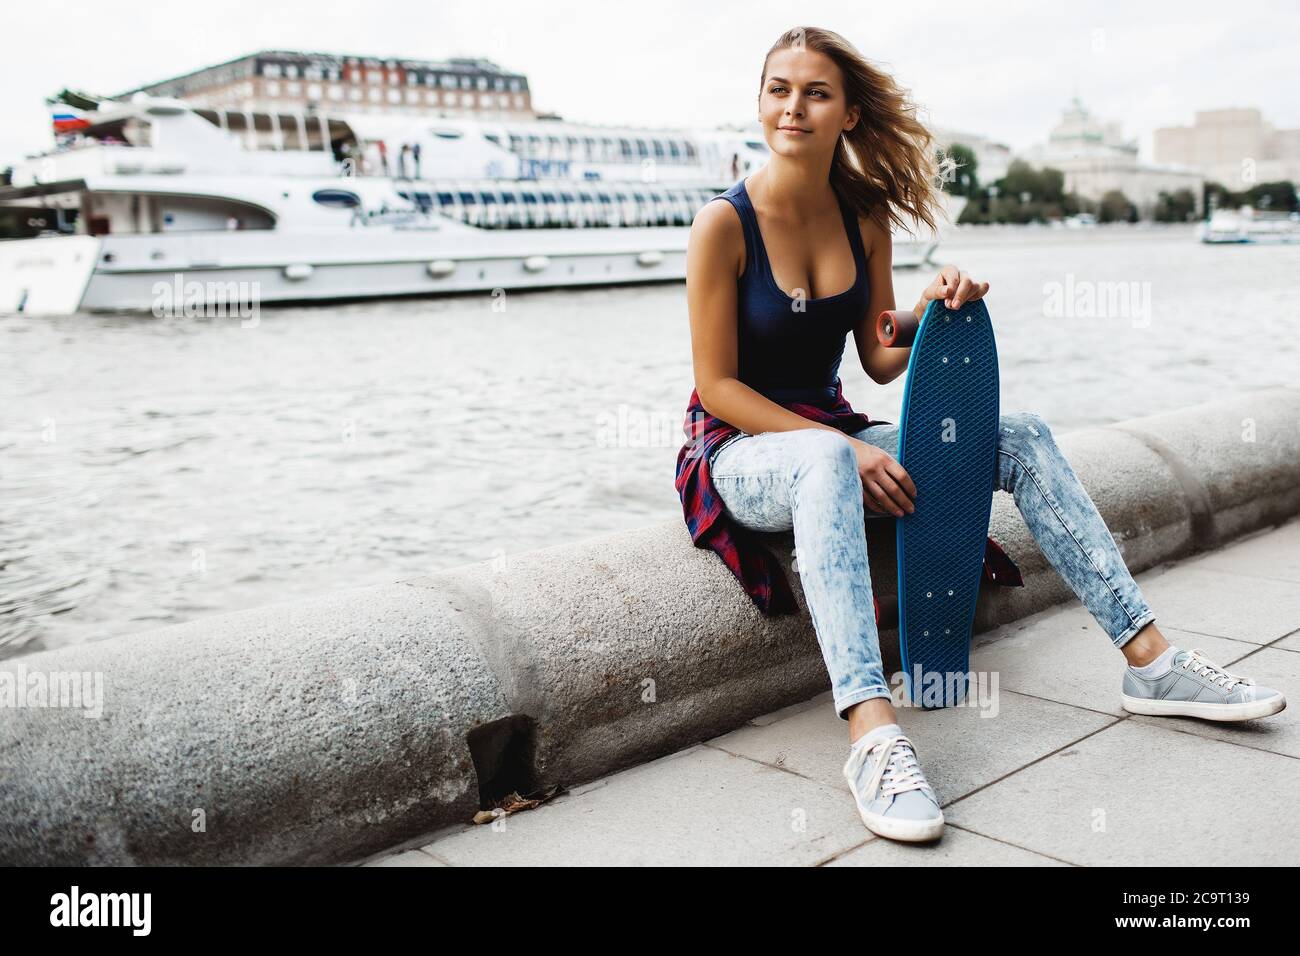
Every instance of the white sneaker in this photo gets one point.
(893, 797)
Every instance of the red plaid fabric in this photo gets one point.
(757, 570)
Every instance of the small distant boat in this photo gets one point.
(1250, 225)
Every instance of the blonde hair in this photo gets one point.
(886, 164)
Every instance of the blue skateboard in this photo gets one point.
(947, 442)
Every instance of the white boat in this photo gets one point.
(1249, 225)
(159, 201)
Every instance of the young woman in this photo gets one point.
(796, 257)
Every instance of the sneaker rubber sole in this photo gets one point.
(910, 831)
(1205, 709)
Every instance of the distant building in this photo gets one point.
(1234, 147)
(1096, 158)
(286, 81)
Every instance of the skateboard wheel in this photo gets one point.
(896, 328)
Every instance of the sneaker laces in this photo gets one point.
(897, 771)
(1199, 664)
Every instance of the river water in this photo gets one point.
(161, 470)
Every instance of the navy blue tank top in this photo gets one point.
(785, 354)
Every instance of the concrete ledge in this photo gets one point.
(324, 729)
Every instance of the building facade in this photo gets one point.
(286, 81)
(1234, 147)
(1096, 158)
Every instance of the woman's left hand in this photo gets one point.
(954, 287)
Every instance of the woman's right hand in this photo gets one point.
(886, 487)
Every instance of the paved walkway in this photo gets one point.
(1049, 771)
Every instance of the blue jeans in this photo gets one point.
(808, 480)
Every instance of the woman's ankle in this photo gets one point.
(1145, 646)
(866, 716)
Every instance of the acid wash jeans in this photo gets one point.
(808, 480)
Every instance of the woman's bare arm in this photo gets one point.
(881, 363)
(714, 253)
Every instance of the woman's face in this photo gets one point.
(803, 107)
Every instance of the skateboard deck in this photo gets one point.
(947, 442)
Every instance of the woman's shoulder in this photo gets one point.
(717, 231)
(875, 233)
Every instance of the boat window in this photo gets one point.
(446, 199)
(690, 150)
(548, 197)
(511, 212)
(469, 199)
(568, 197)
(641, 150)
(530, 199)
(625, 147)
(487, 199)
(658, 148)
(337, 198)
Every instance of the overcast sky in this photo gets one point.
(1005, 72)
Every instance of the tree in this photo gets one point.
(1020, 178)
(1179, 207)
(1072, 204)
(1115, 207)
(1275, 197)
(963, 181)
(1052, 185)
(1218, 196)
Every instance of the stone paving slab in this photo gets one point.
(408, 858)
(1223, 603)
(959, 749)
(1067, 658)
(957, 848)
(1139, 794)
(1268, 553)
(697, 806)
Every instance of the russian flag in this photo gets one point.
(67, 118)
